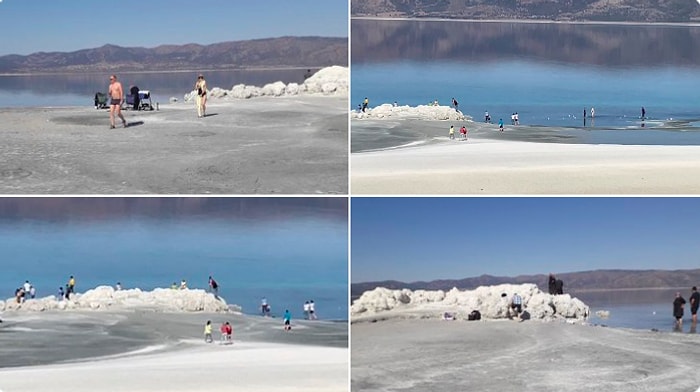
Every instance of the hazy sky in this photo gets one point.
(29, 26)
(411, 239)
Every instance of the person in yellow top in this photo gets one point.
(452, 131)
(71, 286)
(207, 332)
(201, 101)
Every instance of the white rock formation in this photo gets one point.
(105, 297)
(327, 81)
(420, 112)
(486, 299)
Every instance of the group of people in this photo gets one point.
(309, 310)
(556, 286)
(462, 131)
(226, 330)
(679, 305)
(24, 292)
(28, 291)
(116, 99)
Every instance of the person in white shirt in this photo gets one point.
(312, 310)
(307, 309)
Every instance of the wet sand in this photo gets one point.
(134, 351)
(435, 355)
(287, 145)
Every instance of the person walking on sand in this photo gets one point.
(463, 132)
(226, 333)
(694, 303)
(500, 124)
(452, 132)
(517, 119)
(116, 95)
(201, 101)
(207, 332)
(678, 305)
(487, 118)
(287, 320)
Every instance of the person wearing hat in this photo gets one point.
(201, 87)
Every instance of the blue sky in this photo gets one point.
(30, 26)
(411, 239)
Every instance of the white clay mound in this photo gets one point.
(327, 81)
(487, 300)
(420, 112)
(105, 297)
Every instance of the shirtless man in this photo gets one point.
(116, 95)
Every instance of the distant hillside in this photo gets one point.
(592, 10)
(312, 52)
(588, 280)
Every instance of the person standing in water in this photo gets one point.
(694, 304)
(201, 101)
(678, 305)
(644, 113)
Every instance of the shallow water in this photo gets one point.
(637, 309)
(79, 89)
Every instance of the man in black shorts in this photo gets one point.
(694, 303)
(116, 96)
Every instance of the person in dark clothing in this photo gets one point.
(559, 286)
(134, 91)
(552, 284)
(644, 113)
(678, 305)
(694, 303)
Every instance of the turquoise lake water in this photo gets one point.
(547, 73)
(286, 251)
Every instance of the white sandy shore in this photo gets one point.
(506, 167)
(243, 366)
(430, 355)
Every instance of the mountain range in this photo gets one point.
(283, 52)
(564, 10)
(577, 281)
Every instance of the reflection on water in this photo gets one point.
(80, 89)
(601, 45)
